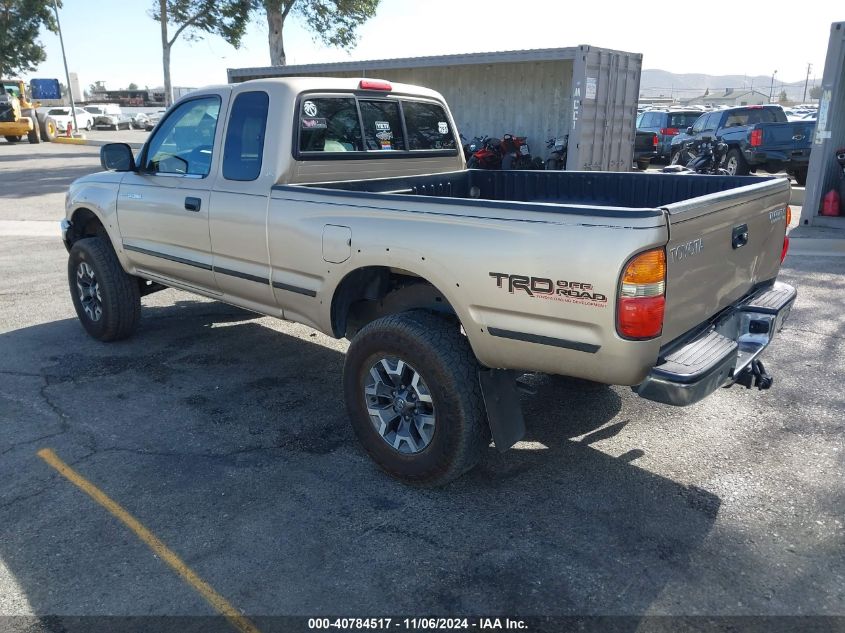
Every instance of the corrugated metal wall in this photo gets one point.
(604, 108)
(530, 99)
(825, 173)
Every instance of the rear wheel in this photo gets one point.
(413, 396)
(107, 300)
(48, 130)
(735, 164)
(800, 177)
(642, 165)
(11, 139)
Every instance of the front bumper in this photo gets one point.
(722, 353)
(21, 127)
(778, 159)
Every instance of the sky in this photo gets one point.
(116, 41)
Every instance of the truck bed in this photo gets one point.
(706, 270)
(579, 193)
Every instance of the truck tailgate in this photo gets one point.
(785, 137)
(721, 246)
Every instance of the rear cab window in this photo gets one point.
(349, 125)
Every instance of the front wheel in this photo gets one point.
(413, 396)
(11, 139)
(107, 300)
(675, 158)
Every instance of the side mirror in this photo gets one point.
(117, 157)
(689, 130)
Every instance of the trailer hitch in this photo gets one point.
(755, 376)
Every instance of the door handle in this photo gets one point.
(193, 204)
(740, 236)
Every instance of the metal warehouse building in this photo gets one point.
(587, 92)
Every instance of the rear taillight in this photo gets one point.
(654, 140)
(669, 131)
(756, 138)
(642, 296)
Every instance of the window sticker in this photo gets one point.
(314, 124)
(442, 127)
(382, 126)
(384, 136)
(309, 108)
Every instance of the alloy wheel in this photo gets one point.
(89, 291)
(400, 406)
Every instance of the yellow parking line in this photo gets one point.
(165, 553)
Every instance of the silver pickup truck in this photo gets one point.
(345, 204)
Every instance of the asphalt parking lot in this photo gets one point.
(224, 433)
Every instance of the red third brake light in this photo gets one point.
(756, 138)
(669, 131)
(374, 84)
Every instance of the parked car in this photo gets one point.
(62, 117)
(758, 138)
(140, 120)
(645, 148)
(666, 124)
(113, 121)
(448, 281)
(153, 119)
(102, 109)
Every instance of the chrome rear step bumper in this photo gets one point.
(724, 353)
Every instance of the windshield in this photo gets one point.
(12, 88)
(58, 112)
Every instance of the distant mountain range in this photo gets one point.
(656, 83)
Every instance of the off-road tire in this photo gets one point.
(48, 131)
(33, 136)
(436, 349)
(742, 168)
(119, 291)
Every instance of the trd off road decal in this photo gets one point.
(544, 288)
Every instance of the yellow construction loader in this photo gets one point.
(18, 117)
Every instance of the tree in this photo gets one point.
(132, 86)
(20, 23)
(334, 22)
(193, 18)
(816, 92)
(782, 97)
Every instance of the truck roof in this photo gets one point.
(328, 84)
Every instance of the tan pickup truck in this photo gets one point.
(344, 204)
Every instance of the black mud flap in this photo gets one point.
(504, 413)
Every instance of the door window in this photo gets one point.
(244, 148)
(185, 141)
(699, 124)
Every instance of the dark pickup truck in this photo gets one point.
(645, 149)
(758, 137)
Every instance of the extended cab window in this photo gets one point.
(329, 124)
(382, 125)
(428, 127)
(184, 142)
(244, 148)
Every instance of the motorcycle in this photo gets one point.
(487, 156)
(470, 147)
(516, 154)
(708, 156)
(557, 158)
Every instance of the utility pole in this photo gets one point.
(806, 81)
(772, 86)
(67, 74)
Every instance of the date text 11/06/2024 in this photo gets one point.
(417, 624)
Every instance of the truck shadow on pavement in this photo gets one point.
(230, 441)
